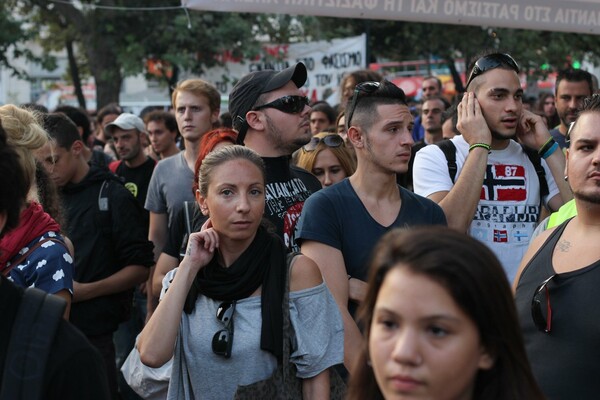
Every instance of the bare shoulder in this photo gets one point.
(533, 248)
(304, 274)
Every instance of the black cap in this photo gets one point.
(244, 94)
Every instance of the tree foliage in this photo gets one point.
(112, 39)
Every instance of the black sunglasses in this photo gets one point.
(489, 62)
(364, 87)
(223, 340)
(329, 140)
(287, 104)
(543, 324)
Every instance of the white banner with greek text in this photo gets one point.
(581, 16)
(326, 62)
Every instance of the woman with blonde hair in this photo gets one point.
(327, 158)
(34, 253)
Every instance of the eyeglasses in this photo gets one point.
(329, 140)
(287, 104)
(364, 87)
(543, 324)
(223, 340)
(489, 62)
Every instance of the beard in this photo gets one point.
(500, 136)
(592, 198)
(276, 138)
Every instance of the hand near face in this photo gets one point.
(471, 122)
(201, 247)
(532, 131)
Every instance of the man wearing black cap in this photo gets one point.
(272, 117)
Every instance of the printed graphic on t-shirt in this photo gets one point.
(504, 183)
(133, 188)
(284, 202)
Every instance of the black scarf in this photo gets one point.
(263, 263)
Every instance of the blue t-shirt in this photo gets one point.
(336, 216)
(48, 268)
(559, 138)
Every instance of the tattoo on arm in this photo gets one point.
(188, 251)
(563, 245)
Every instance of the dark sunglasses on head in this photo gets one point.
(364, 87)
(489, 62)
(223, 340)
(543, 324)
(287, 104)
(329, 140)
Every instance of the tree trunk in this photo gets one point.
(74, 69)
(105, 69)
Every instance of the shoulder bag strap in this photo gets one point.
(19, 260)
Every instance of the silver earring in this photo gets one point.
(566, 178)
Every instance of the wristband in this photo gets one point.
(546, 146)
(551, 150)
(484, 145)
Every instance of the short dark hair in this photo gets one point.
(162, 116)
(365, 110)
(474, 278)
(110, 108)
(438, 81)
(590, 105)
(61, 129)
(13, 183)
(80, 117)
(574, 75)
(325, 108)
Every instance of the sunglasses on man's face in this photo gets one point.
(329, 141)
(544, 324)
(364, 87)
(223, 340)
(287, 104)
(489, 62)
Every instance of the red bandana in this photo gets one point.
(34, 222)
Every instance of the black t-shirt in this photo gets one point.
(287, 188)
(136, 180)
(74, 370)
(178, 231)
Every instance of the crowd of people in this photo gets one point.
(369, 245)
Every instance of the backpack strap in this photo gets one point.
(31, 338)
(449, 151)
(536, 160)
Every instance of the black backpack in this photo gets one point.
(31, 338)
(449, 151)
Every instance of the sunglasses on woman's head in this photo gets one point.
(329, 140)
(490, 62)
(286, 104)
(364, 87)
(223, 340)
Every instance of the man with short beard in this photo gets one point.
(495, 196)
(272, 117)
(561, 272)
(572, 86)
(134, 167)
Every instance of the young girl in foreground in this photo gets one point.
(440, 323)
(221, 316)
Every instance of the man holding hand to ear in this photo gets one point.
(499, 185)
